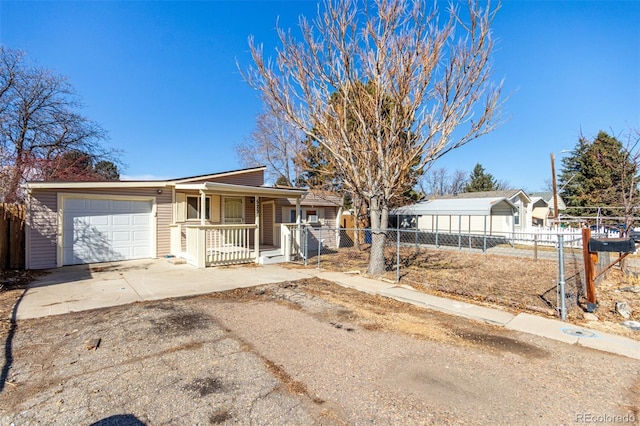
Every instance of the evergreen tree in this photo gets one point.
(77, 165)
(595, 174)
(480, 180)
(107, 170)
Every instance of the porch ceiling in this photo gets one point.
(227, 188)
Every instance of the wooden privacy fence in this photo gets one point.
(12, 236)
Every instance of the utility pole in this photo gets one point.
(555, 188)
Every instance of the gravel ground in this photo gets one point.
(300, 353)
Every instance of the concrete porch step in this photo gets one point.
(271, 259)
(175, 260)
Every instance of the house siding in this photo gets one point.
(496, 224)
(330, 217)
(325, 230)
(327, 234)
(252, 178)
(42, 230)
(43, 221)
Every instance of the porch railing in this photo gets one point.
(212, 245)
(291, 240)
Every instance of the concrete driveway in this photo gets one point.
(84, 287)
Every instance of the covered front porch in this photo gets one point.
(215, 245)
(219, 237)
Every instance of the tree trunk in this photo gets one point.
(12, 192)
(357, 207)
(379, 213)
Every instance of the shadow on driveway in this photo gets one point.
(8, 343)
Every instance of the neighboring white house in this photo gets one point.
(540, 213)
(549, 200)
(522, 217)
(478, 215)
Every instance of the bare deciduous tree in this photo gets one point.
(274, 143)
(38, 123)
(385, 90)
(629, 179)
(439, 181)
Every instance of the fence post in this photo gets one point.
(535, 246)
(319, 245)
(561, 280)
(484, 236)
(306, 246)
(459, 232)
(398, 255)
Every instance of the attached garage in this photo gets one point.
(73, 223)
(104, 230)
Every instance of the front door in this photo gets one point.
(267, 223)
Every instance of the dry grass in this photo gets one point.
(517, 283)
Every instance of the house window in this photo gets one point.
(194, 209)
(233, 210)
(516, 216)
(311, 216)
(292, 216)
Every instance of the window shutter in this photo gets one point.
(180, 207)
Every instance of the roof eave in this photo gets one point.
(218, 175)
(95, 185)
(228, 188)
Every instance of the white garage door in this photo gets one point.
(100, 230)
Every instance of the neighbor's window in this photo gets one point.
(194, 208)
(516, 216)
(233, 210)
(292, 216)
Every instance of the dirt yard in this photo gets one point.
(305, 352)
(520, 284)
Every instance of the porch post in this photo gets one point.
(256, 232)
(203, 204)
(201, 252)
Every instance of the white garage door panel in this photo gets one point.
(140, 236)
(100, 230)
(123, 220)
(97, 220)
(140, 219)
(98, 205)
(119, 236)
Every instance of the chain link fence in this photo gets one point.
(518, 270)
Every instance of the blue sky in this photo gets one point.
(161, 77)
